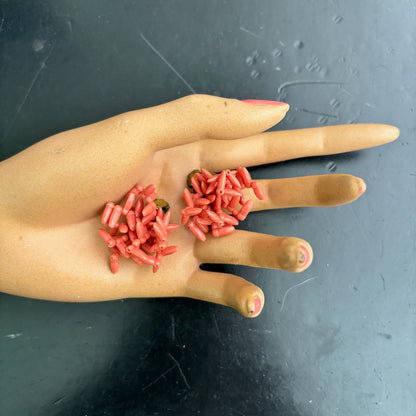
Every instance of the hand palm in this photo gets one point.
(54, 251)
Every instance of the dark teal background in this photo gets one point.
(342, 343)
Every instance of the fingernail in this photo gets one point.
(254, 306)
(362, 187)
(305, 255)
(257, 305)
(263, 102)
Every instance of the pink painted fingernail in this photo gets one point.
(254, 306)
(305, 254)
(362, 187)
(257, 305)
(263, 102)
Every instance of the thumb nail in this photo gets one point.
(263, 102)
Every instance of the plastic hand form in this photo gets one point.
(52, 195)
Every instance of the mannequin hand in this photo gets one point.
(53, 193)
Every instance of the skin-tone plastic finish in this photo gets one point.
(42, 254)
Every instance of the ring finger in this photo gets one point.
(257, 250)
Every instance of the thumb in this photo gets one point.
(197, 117)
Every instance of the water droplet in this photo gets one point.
(250, 60)
(38, 44)
(323, 119)
(276, 53)
(337, 19)
(334, 103)
(254, 74)
(298, 44)
(331, 166)
(297, 69)
(342, 59)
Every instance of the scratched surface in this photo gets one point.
(338, 339)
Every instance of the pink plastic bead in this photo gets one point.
(114, 263)
(201, 202)
(146, 219)
(129, 202)
(189, 211)
(187, 198)
(235, 200)
(115, 216)
(139, 207)
(207, 174)
(159, 231)
(131, 220)
(233, 180)
(123, 228)
(171, 227)
(132, 236)
(149, 209)
(141, 232)
(215, 217)
(257, 189)
(121, 245)
(108, 238)
(150, 189)
(228, 219)
(213, 179)
(169, 250)
(232, 192)
(244, 177)
(203, 220)
(219, 232)
(196, 231)
(166, 219)
(211, 188)
(200, 177)
(221, 183)
(141, 255)
(150, 197)
(245, 209)
(217, 203)
(107, 213)
(136, 260)
(196, 185)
